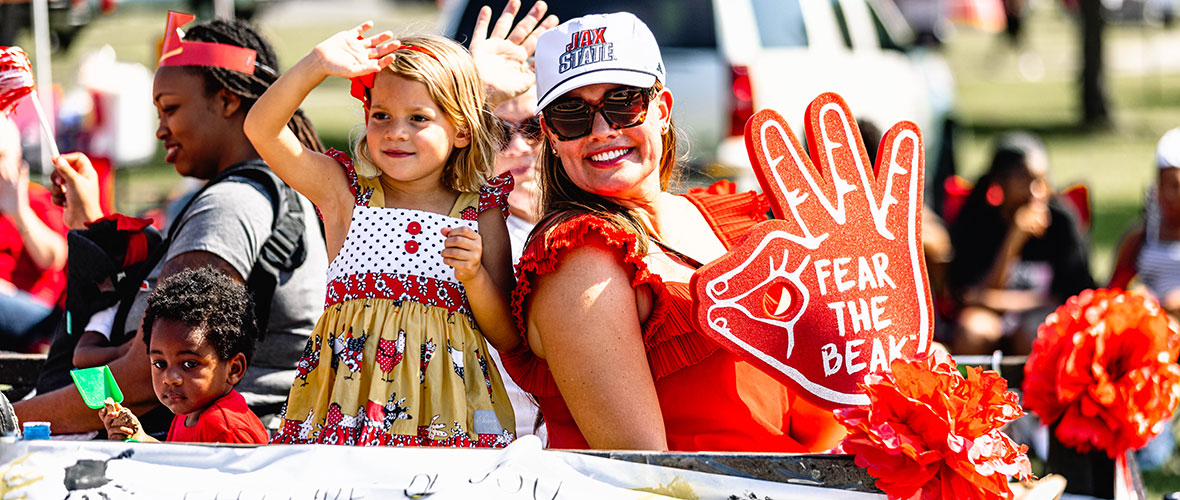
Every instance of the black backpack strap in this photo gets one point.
(283, 250)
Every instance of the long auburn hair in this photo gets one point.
(562, 200)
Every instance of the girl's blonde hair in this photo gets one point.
(456, 88)
(562, 200)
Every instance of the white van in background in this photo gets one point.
(727, 58)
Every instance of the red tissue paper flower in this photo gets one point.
(1104, 369)
(930, 433)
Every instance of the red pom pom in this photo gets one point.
(928, 432)
(1104, 369)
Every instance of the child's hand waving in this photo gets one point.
(502, 57)
(349, 54)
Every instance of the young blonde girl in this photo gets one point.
(420, 269)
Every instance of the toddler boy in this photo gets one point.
(200, 330)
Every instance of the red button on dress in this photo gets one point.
(413, 228)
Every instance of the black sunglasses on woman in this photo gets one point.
(573, 118)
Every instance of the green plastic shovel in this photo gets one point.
(96, 385)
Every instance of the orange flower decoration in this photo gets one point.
(1104, 369)
(930, 433)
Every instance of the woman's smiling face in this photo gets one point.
(619, 164)
(192, 125)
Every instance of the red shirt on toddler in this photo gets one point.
(228, 420)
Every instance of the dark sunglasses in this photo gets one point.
(622, 108)
(530, 129)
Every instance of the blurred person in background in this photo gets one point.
(518, 155)
(1018, 253)
(1151, 249)
(1151, 252)
(1028, 61)
(32, 250)
(928, 20)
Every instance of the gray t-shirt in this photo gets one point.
(232, 220)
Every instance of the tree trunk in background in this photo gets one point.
(1095, 107)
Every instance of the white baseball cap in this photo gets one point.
(1167, 153)
(601, 48)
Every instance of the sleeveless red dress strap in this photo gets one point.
(361, 195)
(494, 194)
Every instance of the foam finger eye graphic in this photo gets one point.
(834, 287)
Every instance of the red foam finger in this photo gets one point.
(839, 150)
(835, 287)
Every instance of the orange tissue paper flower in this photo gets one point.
(1103, 368)
(930, 433)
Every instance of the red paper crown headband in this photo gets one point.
(177, 52)
(361, 84)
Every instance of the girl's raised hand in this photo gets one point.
(349, 54)
(502, 57)
(463, 250)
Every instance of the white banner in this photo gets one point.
(111, 471)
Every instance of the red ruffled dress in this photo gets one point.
(710, 399)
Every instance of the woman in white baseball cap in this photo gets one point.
(613, 354)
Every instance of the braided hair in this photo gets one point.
(247, 87)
